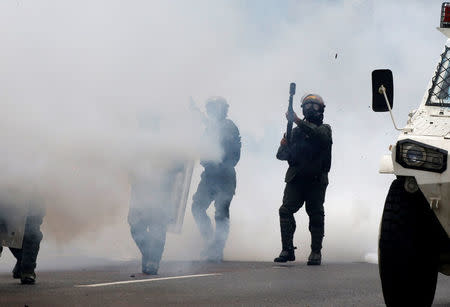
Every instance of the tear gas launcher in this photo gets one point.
(290, 112)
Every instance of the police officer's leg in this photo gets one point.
(201, 201)
(316, 213)
(30, 248)
(226, 188)
(138, 221)
(157, 238)
(222, 218)
(139, 233)
(17, 252)
(293, 200)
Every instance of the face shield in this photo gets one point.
(313, 107)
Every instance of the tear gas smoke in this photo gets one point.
(78, 77)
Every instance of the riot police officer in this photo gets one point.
(26, 256)
(152, 205)
(218, 180)
(151, 210)
(308, 154)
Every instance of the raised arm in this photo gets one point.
(322, 133)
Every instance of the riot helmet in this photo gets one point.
(313, 108)
(216, 107)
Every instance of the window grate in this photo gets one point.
(439, 95)
(415, 155)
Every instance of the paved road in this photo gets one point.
(207, 284)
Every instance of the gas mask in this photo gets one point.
(313, 111)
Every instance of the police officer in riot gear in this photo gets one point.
(308, 154)
(151, 209)
(152, 206)
(218, 180)
(26, 256)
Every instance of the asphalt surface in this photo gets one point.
(207, 284)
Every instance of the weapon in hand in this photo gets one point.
(290, 112)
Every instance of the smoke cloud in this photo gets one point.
(78, 78)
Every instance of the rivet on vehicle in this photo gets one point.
(411, 185)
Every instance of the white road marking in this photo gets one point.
(286, 266)
(144, 280)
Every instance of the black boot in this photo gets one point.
(286, 255)
(315, 258)
(28, 278)
(150, 268)
(213, 252)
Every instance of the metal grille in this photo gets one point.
(418, 156)
(438, 94)
(415, 155)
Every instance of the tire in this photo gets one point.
(408, 253)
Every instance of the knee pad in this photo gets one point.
(33, 235)
(316, 220)
(284, 212)
(222, 205)
(222, 214)
(202, 195)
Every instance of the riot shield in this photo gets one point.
(179, 196)
(12, 225)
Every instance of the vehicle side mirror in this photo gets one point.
(382, 77)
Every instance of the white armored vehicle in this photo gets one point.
(414, 243)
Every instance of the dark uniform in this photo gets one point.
(218, 184)
(27, 255)
(150, 212)
(309, 158)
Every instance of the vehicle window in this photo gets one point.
(439, 94)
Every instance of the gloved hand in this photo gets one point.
(284, 141)
(292, 117)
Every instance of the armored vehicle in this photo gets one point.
(414, 244)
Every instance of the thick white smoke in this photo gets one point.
(76, 76)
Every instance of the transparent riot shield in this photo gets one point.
(12, 225)
(179, 196)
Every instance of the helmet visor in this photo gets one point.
(311, 105)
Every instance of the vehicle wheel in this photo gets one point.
(408, 254)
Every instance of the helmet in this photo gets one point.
(313, 99)
(217, 107)
(313, 107)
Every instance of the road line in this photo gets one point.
(287, 266)
(144, 280)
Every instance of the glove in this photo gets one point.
(284, 141)
(292, 117)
